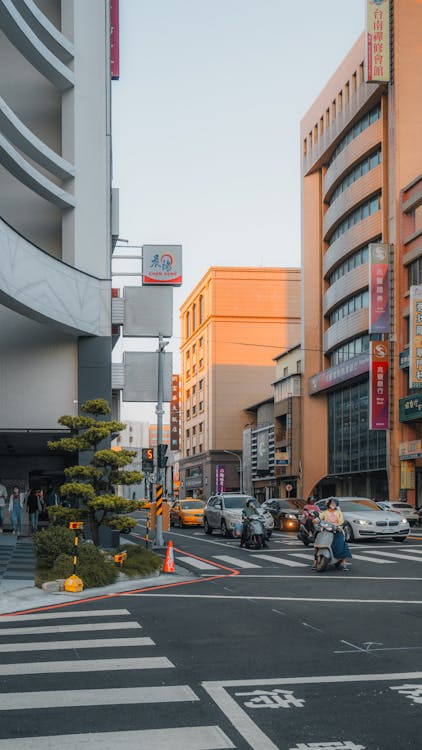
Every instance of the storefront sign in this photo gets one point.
(415, 335)
(174, 414)
(404, 359)
(194, 481)
(378, 392)
(377, 41)
(339, 374)
(162, 264)
(407, 475)
(410, 449)
(220, 479)
(410, 408)
(379, 295)
(281, 458)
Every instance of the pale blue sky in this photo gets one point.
(206, 123)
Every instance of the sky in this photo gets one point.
(206, 118)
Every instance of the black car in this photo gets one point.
(285, 511)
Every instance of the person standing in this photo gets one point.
(3, 498)
(34, 505)
(15, 509)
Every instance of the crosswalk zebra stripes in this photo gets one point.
(57, 706)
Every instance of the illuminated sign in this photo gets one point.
(378, 392)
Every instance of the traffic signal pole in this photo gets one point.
(159, 539)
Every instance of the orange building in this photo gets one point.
(362, 185)
(233, 324)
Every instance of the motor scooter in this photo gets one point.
(306, 531)
(323, 546)
(256, 533)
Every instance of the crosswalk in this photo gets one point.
(118, 684)
(292, 559)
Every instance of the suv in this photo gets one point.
(223, 511)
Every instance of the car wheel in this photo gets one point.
(348, 533)
(224, 530)
(400, 538)
(321, 563)
(207, 527)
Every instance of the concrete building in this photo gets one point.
(362, 179)
(233, 324)
(55, 226)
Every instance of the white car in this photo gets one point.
(404, 509)
(364, 519)
(223, 512)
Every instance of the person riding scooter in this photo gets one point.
(310, 512)
(248, 511)
(332, 514)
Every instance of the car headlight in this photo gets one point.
(362, 522)
(403, 520)
(291, 516)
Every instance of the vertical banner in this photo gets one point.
(378, 392)
(220, 479)
(377, 41)
(379, 292)
(114, 40)
(175, 414)
(407, 475)
(415, 337)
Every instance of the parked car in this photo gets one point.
(224, 511)
(187, 513)
(364, 519)
(404, 509)
(285, 511)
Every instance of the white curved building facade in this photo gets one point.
(55, 223)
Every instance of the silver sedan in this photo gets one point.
(364, 519)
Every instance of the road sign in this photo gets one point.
(289, 487)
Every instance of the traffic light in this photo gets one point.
(162, 458)
(148, 460)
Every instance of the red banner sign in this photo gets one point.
(114, 40)
(175, 414)
(378, 393)
(379, 293)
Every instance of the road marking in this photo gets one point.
(247, 728)
(195, 562)
(332, 576)
(396, 554)
(60, 615)
(86, 665)
(251, 597)
(63, 645)
(314, 680)
(354, 557)
(235, 561)
(85, 627)
(180, 738)
(279, 561)
(105, 697)
(306, 556)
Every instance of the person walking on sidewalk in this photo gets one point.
(33, 503)
(3, 498)
(15, 509)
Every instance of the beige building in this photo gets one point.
(233, 324)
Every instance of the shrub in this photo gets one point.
(94, 567)
(51, 542)
(140, 561)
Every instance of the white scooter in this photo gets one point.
(256, 535)
(323, 546)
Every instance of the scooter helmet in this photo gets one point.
(329, 501)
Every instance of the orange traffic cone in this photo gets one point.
(168, 566)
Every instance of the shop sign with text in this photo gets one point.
(378, 393)
(379, 296)
(377, 41)
(415, 335)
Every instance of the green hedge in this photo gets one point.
(52, 542)
(94, 567)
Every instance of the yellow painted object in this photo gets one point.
(165, 517)
(120, 557)
(76, 525)
(74, 584)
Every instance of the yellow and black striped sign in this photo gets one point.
(158, 500)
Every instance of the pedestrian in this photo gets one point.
(16, 503)
(3, 498)
(34, 505)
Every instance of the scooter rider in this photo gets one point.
(248, 511)
(333, 515)
(309, 513)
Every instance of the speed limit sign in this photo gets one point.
(289, 487)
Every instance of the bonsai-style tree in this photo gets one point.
(90, 489)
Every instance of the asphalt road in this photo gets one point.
(255, 651)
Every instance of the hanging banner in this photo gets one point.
(220, 479)
(162, 264)
(114, 40)
(415, 337)
(377, 62)
(379, 292)
(175, 414)
(378, 392)
(407, 475)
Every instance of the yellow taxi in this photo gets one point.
(145, 504)
(189, 512)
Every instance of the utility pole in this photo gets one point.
(159, 539)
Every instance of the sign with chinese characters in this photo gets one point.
(220, 479)
(404, 359)
(338, 374)
(174, 414)
(413, 692)
(377, 41)
(407, 475)
(162, 264)
(415, 336)
(410, 408)
(114, 40)
(378, 392)
(281, 458)
(378, 288)
(336, 745)
(410, 449)
(278, 698)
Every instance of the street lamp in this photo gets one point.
(239, 458)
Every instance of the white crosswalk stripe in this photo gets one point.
(355, 557)
(86, 665)
(62, 645)
(236, 562)
(280, 561)
(59, 615)
(103, 697)
(396, 555)
(200, 564)
(74, 628)
(180, 738)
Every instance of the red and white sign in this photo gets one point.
(175, 414)
(162, 264)
(114, 40)
(378, 393)
(378, 40)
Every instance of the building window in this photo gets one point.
(187, 434)
(201, 406)
(353, 261)
(193, 390)
(201, 363)
(201, 427)
(285, 371)
(201, 341)
(194, 430)
(298, 365)
(194, 317)
(193, 451)
(193, 410)
(201, 309)
(201, 448)
(358, 128)
(187, 373)
(359, 214)
(187, 393)
(188, 452)
(414, 272)
(131, 439)
(194, 369)
(351, 349)
(187, 413)
(361, 169)
(201, 385)
(357, 302)
(194, 349)
(188, 324)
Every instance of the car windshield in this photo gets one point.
(358, 505)
(192, 505)
(237, 501)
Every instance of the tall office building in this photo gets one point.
(235, 321)
(55, 226)
(362, 197)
